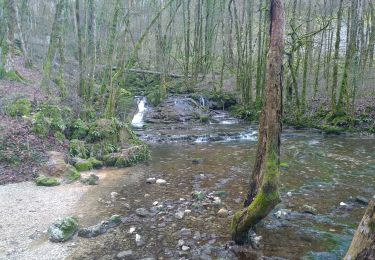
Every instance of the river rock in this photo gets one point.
(100, 228)
(139, 240)
(142, 212)
(223, 213)
(63, 229)
(114, 195)
(361, 200)
(91, 180)
(185, 232)
(185, 248)
(309, 209)
(179, 214)
(124, 254)
(151, 180)
(161, 182)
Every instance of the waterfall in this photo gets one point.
(202, 101)
(138, 118)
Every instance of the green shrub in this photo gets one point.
(79, 129)
(46, 181)
(51, 119)
(77, 148)
(105, 129)
(21, 107)
(246, 113)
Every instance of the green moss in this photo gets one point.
(46, 181)
(96, 164)
(63, 229)
(73, 175)
(204, 118)
(60, 136)
(77, 148)
(21, 107)
(128, 158)
(83, 165)
(284, 165)
(15, 76)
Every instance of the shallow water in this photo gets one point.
(322, 171)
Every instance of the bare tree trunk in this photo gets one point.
(11, 18)
(82, 89)
(363, 244)
(266, 171)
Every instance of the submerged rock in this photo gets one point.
(63, 229)
(101, 228)
(124, 254)
(362, 200)
(142, 212)
(309, 209)
(139, 240)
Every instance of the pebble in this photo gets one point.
(217, 200)
(179, 214)
(161, 182)
(131, 230)
(289, 194)
(185, 248)
(222, 213)
(138, 240)
(124, 254)
(114, 195)
(142, 212)
(343, 204)
(185, 232)
(181, 242)
(155, 203)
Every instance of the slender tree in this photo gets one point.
(264, 195)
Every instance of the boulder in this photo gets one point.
(46, 181)
(63, 229)
(127, 157)
(56, 165)
(83, 165)
(90, 180)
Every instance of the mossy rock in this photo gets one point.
(204, 118)
(73, 175)
(46, 181)
(96, 164)
(63, 229)
(128, 157)
(83, 165)
(21, 107)
(91, 180)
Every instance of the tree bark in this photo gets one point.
(265, 176)
(363, 243)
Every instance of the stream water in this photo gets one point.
(322, 176)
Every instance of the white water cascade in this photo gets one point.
(138, 118)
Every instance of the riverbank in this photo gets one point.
(28, 210)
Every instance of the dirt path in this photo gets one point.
(27, 210)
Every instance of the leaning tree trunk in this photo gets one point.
(363, 244)
(264, 194)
